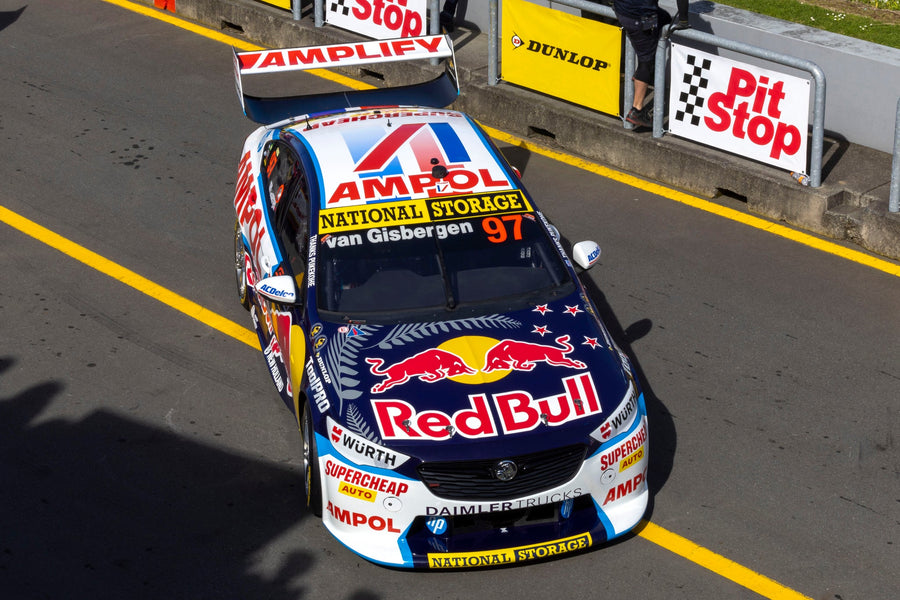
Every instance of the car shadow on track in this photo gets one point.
(663, 436)
(108, 507)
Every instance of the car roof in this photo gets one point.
(369, 155)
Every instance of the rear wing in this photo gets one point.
(437, 93)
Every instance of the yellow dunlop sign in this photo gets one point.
(455, 560)
(461, 207)
(365, 216)
(562, 55)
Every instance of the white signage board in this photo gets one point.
(379, 19)
(754, 112)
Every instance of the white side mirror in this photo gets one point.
(280, 288)
(585, 254)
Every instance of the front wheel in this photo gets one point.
(312, 483)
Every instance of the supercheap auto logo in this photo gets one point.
(412, 160)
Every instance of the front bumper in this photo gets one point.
(394, 520)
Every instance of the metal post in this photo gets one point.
(493, 43)
(295, 9)
(894, 203)
(320, 13)
(434, 11)
(660, 73)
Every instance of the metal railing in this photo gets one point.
(661, 75)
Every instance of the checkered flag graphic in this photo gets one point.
(693, 92)
(339, 6)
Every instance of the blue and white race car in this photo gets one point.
(460, 402)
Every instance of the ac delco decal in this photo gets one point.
(452, 560)
(515, 411)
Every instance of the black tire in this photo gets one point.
(312, 484)
(240, 267)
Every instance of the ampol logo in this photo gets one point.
(401, 162)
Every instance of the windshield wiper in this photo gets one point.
(445, 277)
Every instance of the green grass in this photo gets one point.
(860, 27)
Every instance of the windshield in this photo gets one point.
(439, 270)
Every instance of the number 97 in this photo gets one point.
(495, 227)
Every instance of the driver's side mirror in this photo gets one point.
(280, 288)
(585, 254)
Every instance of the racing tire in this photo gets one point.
(240, 267)
(312, 484)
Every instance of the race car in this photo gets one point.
(459, 400)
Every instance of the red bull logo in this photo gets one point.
(428, 366)
(436, 364)
(522, 356)
(515, 411)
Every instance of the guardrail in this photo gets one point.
(660, 77)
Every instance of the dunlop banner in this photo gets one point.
(279, 3)
(741, 108)
(561, 55)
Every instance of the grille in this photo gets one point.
(474, 479)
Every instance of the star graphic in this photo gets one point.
(542, 308)
(589, 341)
(573, 310)
(541, 329)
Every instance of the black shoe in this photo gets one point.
(639, 118)
(447, 21)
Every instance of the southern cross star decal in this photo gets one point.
(589, 341)
(572, 310)
(542, 308)
(541, 329)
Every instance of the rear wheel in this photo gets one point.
(312, 483)
(240, 267)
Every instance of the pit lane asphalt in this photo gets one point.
(145, 454)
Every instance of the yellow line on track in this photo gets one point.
(129, 278)
(716, 563)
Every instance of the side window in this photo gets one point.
(292, 219)
(280, 165)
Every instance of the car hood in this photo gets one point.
(502, 384)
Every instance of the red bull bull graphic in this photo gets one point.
(515, 411)
(522, 356)
(429, 366)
